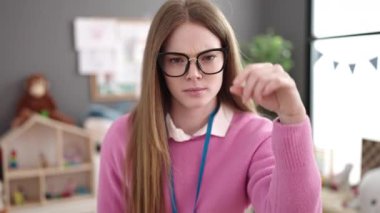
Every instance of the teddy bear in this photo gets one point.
(37, 99)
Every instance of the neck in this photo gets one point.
(190, 120)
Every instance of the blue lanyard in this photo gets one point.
(201, 169)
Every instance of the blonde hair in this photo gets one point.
(148, 161)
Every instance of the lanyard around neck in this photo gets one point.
(201, 169)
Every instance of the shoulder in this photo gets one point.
(114, 143)
(120, 126)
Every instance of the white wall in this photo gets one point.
(346, 104)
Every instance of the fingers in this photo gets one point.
(272, 88)
(257, 91)
(237, 90)
(249, 87)
(239, 80)
(259, 80)
(248, 80)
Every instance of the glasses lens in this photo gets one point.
(172, 64)
(211, 61)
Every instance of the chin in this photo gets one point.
(192, 104)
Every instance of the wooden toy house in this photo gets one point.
(46, 161)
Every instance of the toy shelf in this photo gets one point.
(37, 141)
(48, 171)
(76, 150)
(68, 185)
(23, 173)
(47, 161)
(25, 186)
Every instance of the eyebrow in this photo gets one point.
(197, 54)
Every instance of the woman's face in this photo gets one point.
(194, 89)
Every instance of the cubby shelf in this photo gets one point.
(46, 161)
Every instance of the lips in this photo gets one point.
(195, 89)
(195, 92)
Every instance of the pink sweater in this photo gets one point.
(259, 162)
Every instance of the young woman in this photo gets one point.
(192, 144)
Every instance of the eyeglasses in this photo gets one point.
(209, 62)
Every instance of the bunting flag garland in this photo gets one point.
(335, 64)
(352, 66)
(318, 55)
(374, 62)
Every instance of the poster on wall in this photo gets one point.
(110, 50)
(344, 98)
(95, 33)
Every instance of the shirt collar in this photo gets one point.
(221, 123)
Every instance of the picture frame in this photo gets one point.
(114, 67)
(98, 94)
(124, 83)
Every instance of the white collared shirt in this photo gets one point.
(221, 123)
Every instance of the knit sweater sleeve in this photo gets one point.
(111, 178)
(283, 176)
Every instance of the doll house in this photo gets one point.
(46, 161)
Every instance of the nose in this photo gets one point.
(193, 72)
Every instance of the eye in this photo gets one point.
(208, 58)
(176, 60)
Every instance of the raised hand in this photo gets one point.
(272, 88)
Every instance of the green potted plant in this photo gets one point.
(268, 47)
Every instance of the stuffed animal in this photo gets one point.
(369, 192)
(37, 99)
(340, 181)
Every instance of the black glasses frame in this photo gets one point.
(162, 54)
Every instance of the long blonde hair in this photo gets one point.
(148, 160)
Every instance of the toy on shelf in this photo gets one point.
(82, 190)
(13, 159)
(43, 161)
(18, 196)
(37, 99)
(52, 192)
(73, 156)
(69, 188)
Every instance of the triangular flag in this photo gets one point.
(352, 67)
(318, 55)
(374, 62)
(335, 64)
